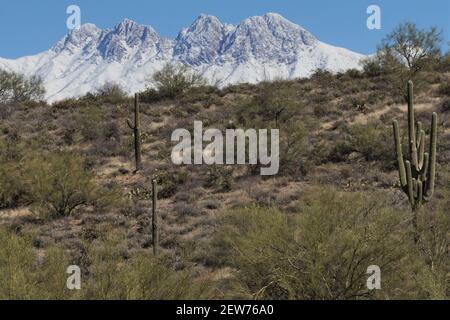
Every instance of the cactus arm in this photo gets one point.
(421, 150)
(410, 183)
(399, 152)
(432, 158)
(136, 110)
(414, 157)
(411, 123)
(418, 172)
(136, 132)
(415, 190)
(155, 225)
(419, 133)
(424, 171)
(130, 124)
(419, 193)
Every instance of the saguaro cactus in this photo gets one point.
(418, 173)
(137, 132)
(155, 226)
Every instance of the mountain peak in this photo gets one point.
(130, 39)
(203, 24)
(274, 20)
(259, 48)
(206, 18)
(89, 28)
(86, 35)
(126, 24)
(127, 21)
(129, 27)
(275, 16)
(200, 42)
(268, 38)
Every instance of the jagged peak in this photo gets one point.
(258, 48)
(278, 25)
(206, 18)
(78, 38)
(275, 16)
(89, 28)
(203, 23)
(200, 42)
(85, 30)
(127, 21)
(278, 20)
(271, 18)
(204, 26)
(128, 26)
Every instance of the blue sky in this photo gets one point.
(29, 27)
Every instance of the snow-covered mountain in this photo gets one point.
(259, 48)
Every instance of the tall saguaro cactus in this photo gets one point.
(418, 173)
(136, 132)
(155, 226)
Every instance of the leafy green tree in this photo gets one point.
(414, 47)
(15, 87)
(403, 55)
(175, 79)
(59, 183)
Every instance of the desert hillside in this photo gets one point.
(69, 195)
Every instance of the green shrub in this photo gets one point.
(23, 277)
(220, 178)
(444, 65)
(15, 87)
(323, 252)
(59, 183)
(353, 74)
(13, 191)
(256, 241)
(373, 142)
(173, 80)
(273, 106)
(169, 181)
(339, 235)
(295, 149)
(91, 123)
(323, 78)
(444, 89)
(445, 107)
(321, 110)
(115, 274)
(372, 67)
(433, 227)
(340, 151)
(108, 272)
(16, 262)
(151, 95)
(111, 93)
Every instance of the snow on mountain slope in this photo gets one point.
(200, 43)
(259, 48)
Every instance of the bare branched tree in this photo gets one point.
(412, 46)
(15, 87)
